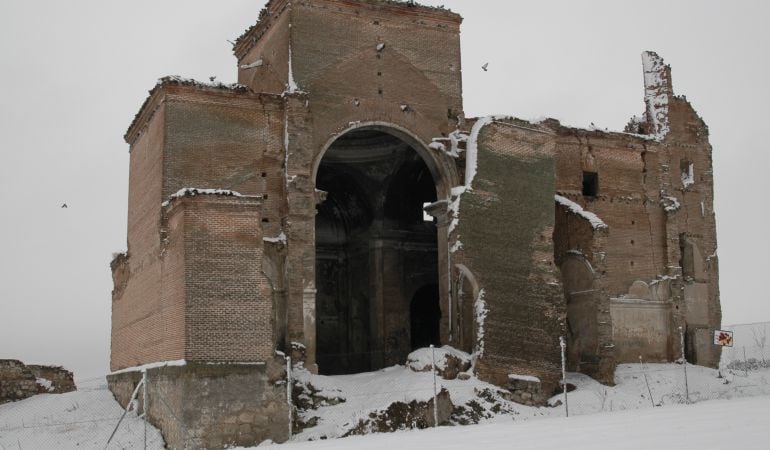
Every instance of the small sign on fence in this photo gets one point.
(723, 338)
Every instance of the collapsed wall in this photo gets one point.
(19, 381)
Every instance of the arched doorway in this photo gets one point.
(374, 247)
(582, 314)
(425, 317)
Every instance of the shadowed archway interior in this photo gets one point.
(374, 250)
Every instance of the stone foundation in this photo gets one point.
(212, 406)
(527, 392)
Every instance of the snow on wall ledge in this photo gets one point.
(192, 192)
(182, 81)
(596, 222)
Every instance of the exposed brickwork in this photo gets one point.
(229, 305)
(506, 229)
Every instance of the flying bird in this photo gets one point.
(485, 66)
(64, 206)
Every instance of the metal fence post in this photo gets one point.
(646, 381)
(745, 362)
(563, 345)
(684, 365)
(144, 405)
(435, 399)
(288, 395)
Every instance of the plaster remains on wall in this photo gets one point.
(482, 311)
(657, 88)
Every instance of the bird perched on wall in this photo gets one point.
(485, 66)
(212, 79)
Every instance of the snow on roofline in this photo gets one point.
(176, 80)
(555, 124)
(596, 222)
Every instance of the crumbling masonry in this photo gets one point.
(336, 205)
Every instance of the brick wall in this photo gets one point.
(187, 136)
(506, 224)
(138, 329)
(229, 306)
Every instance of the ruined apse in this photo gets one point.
(336, 206)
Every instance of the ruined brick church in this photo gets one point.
(337, 206)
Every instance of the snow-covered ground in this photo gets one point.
(621, 416)
(83, 419)
(718, 425)
(357, 397)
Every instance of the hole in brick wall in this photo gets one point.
(379, 91)
(264, 174)
(264, 197)
(633, 222)
(686, 168)
(265, 220)
(376, 22)
(632, 264)
(379, 74)
(632, 242)
(590, 184)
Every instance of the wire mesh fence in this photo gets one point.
(81, 419)
(434, 387)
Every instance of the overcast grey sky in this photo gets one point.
(74, 73)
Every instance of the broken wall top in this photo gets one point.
(274, 8)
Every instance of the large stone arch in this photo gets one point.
(362, 261)
(444, 175)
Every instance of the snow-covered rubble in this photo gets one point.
(367, 395)
(449, 362)
(737, 424)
